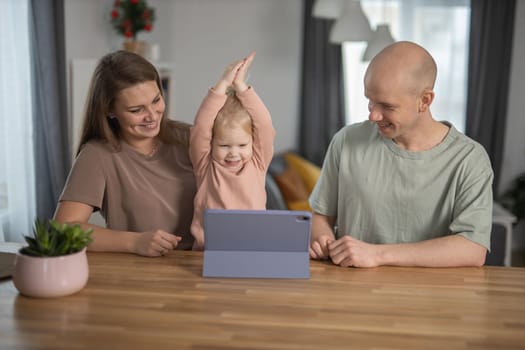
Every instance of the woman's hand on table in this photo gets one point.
(156, 243)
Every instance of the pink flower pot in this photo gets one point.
(47, 277)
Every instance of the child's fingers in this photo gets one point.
(248, 60)
(237, 69)
(234, 66)
(238, 66)
(231, 71)
(244, 68)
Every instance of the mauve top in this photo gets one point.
(217, 186)
(135, 192)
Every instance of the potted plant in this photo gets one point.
(514, 198)
(54, 262)
(129, 17)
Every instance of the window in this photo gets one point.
(17, 193)
(442, 27)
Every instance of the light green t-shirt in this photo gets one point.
(381, 193)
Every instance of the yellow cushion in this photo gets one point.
(308, 171)
(291, 186)
(299, 205)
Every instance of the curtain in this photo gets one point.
(491, 32)
(52, 151)
(17, 203)
(322, 94)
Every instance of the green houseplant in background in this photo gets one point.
(54, 263)
(514, 198)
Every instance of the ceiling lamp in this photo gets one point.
(352, 25)
(381, 38)
(328, 9)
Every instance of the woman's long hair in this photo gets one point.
(114, 72)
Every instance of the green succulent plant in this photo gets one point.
(514, 198)
(51, 238)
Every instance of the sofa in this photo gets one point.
(289, 182)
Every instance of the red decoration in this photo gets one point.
(132, 16)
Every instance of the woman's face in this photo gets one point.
(139, 110)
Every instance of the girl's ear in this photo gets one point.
(425, 100)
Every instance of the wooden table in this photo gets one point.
(132, 302)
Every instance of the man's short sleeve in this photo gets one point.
(473, 206)
(324, 197)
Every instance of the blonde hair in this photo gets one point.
(233, 114)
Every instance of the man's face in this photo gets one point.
(393, 107)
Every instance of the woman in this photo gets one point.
(132, 164)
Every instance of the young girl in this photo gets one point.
(231, 146)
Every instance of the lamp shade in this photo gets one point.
(329, 9)
(380, 39)
(353, 24)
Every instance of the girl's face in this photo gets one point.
(232, 147)
(139, 110)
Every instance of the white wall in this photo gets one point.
(201, 37)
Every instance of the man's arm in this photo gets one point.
(447, 251)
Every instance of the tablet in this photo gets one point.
(256, 243)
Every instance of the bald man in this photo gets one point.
(402, 188)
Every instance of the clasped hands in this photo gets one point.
(235, 75)
(346, 251)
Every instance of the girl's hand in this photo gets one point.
(228, 77)
(239, 82)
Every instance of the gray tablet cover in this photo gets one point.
(256, 243)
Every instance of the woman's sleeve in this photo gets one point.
(86, 182)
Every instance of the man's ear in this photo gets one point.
(425, 100)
